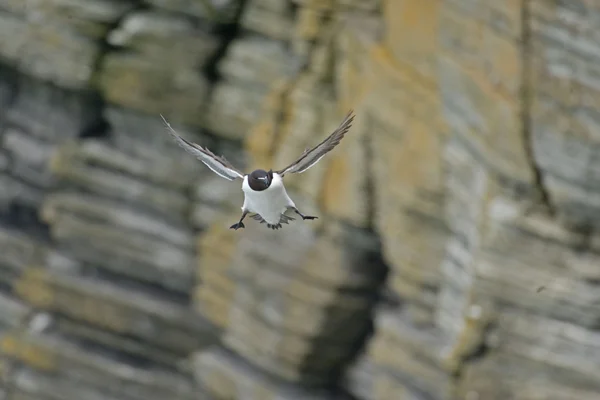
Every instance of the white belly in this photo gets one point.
(270, 203)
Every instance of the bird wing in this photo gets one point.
(219, 165)
(311, 156)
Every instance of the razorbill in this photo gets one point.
(264, 191)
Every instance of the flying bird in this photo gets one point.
(264, 192)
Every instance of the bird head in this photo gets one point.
(260, 179)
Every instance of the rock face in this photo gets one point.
(455, 254)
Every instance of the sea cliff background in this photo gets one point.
(456, 254)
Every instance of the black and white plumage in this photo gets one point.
(264, 191)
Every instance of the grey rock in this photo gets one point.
(95, 372)
(286, 354)
(120, 343)
(281, 310)
(161, 171)
(39, 322)
(49, 113)
(414, 355)
(152, 320)
(499, 300)
(255, 62)
(145, 137)
(91, 18)
(467, 108)
(58, 262)
(571, 176)
(15, 191)
(564, 120)
(291, 314)
(542, 339)
(571, 159)
(204, 215)
(216, 11)
(7, 89)
(72, 165)
(301, 260)
(269, 18)
(212, 189)
(359, 378)
(545, 253)
(19, 251)
(30, 384)
(13, 311)
(517, 374)
(4, 161)
(145, 85)
(233, 110)
(116, 214)
(30, 157)
(38, 178)
(101, 11)
(144, 258)
(57, 55)
(164, 36)
(369, 5)
(215, 366)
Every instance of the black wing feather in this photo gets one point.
(218, 164)
(312, 156)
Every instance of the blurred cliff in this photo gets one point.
(456, 255)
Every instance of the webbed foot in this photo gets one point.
(304, 216)
(237, 225)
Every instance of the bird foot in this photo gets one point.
(237, 226)
(304, 216)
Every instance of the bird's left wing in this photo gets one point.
(219, 165)
(311, 156)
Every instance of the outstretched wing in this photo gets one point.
(311, 156)
(219, 165)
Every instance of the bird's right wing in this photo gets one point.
(219, 165)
